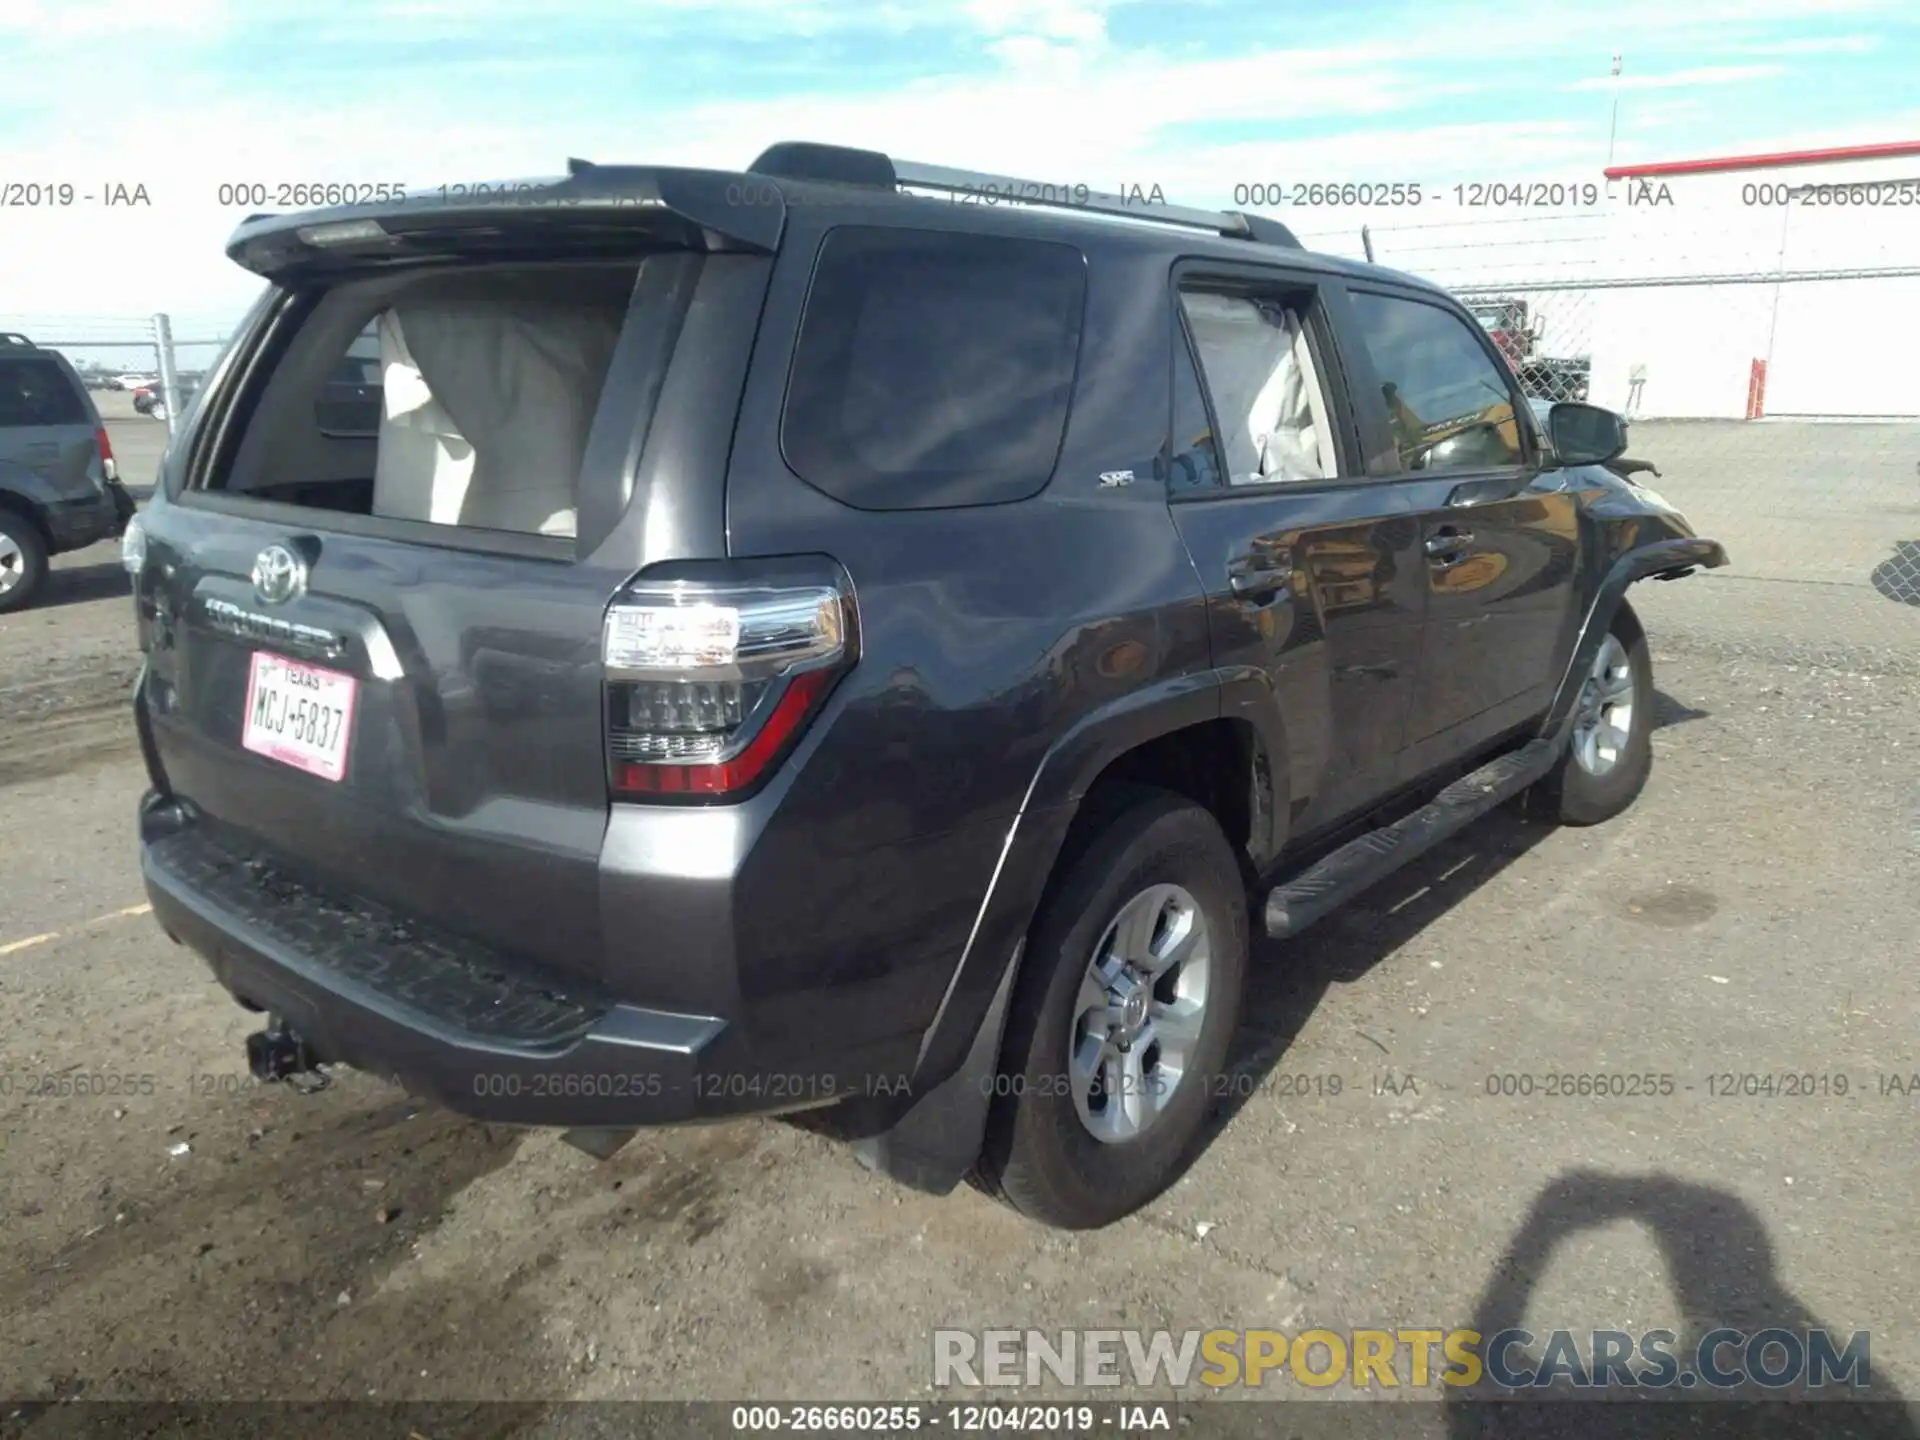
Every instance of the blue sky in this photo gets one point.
(1195, 96)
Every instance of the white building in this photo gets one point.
(1844, 340)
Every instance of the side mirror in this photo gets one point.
(1585, 434)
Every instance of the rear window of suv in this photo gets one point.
(934, 369)
(459, 397)
(34, 390)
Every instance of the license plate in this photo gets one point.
(299, 715)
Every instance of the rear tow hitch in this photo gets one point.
(278, 1053)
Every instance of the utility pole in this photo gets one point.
(169, 382)
(1613, 125)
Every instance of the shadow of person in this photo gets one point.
(1720, 1264)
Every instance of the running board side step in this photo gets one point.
(1372, 857)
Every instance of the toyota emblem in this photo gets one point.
(279, 575)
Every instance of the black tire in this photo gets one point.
(1039, 1156)
(1576, 796)
(25, 558)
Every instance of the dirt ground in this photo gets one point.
(192, 1234)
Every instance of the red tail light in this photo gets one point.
(709, 685)
(107, 465)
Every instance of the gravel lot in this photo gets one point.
(1755, 913)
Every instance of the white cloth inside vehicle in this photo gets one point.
(485, 411)
(1265, 389)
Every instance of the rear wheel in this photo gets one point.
(1610, 753)
(1128, 996)
(23, 561)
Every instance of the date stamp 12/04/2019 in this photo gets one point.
(1556, 195)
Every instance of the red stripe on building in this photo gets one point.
(1891, 151)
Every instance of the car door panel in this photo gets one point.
(1499, 544)
(1317, 584)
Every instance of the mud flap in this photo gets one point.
(601, 1142)
(933, 1146)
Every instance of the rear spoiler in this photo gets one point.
(594, 208)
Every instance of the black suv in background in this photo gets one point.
(59, 489)
(787, 642)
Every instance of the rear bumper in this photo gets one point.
(443, 1017)
(76, 524)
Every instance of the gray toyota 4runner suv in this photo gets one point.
(796, 643)
(59, 490)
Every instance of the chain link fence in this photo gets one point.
(1767, 372)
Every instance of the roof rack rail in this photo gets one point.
(840, 164)
(14, 337)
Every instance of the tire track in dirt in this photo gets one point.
(66, 723)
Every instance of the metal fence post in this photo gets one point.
(169, 385)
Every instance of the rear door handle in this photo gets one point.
(1448, 542)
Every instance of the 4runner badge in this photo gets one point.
(1111, 478)
(279, 575)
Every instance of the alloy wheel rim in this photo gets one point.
(1604, 713)
(1140, 1013)
(13, 563)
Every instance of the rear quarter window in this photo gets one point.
(36, 391)
(933, 369)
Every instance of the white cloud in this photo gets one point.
(49, 22)
(1810, 45)
(1663, 118)
(1069, 20)
(1066, 104)
(1694, 79)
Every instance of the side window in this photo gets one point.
(1196, 461)
(933, 369)
(1450, 406)
(1275, 422)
